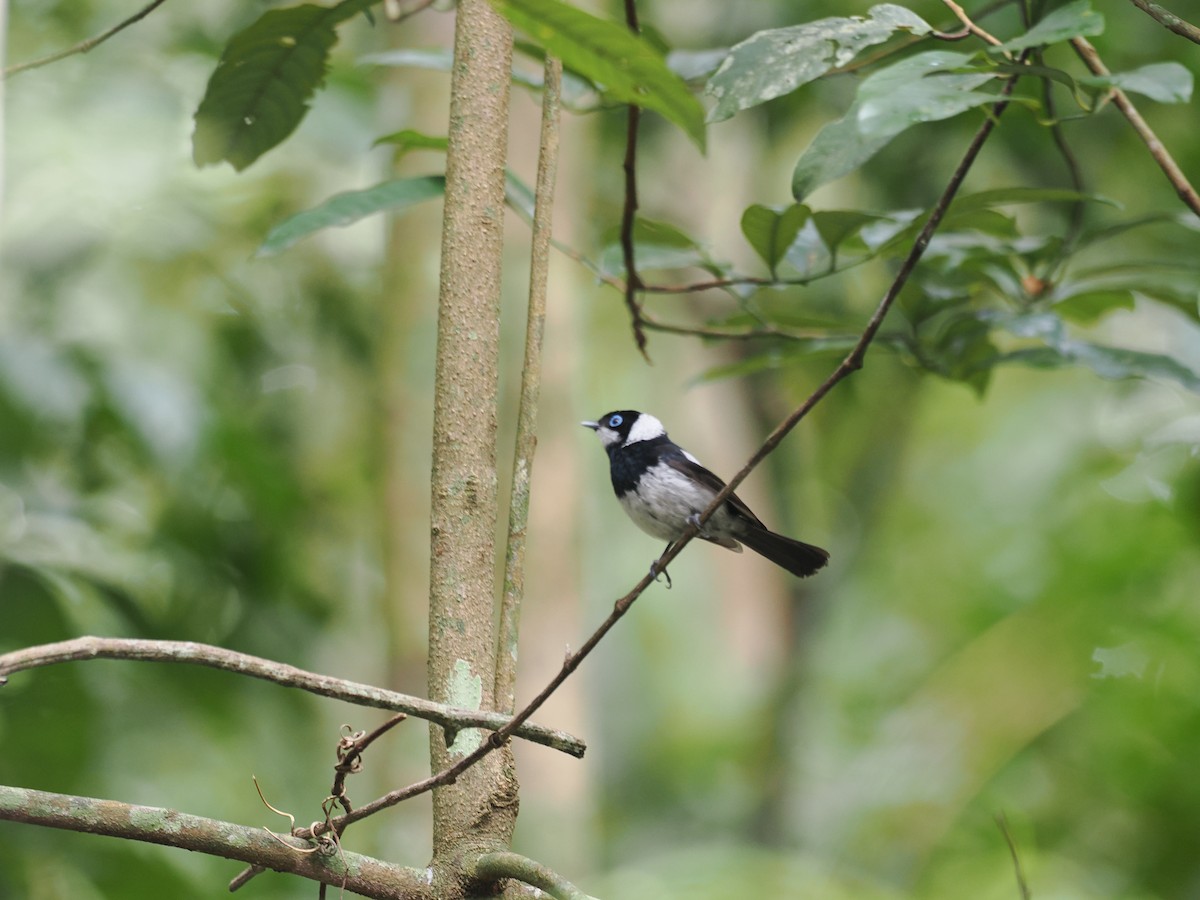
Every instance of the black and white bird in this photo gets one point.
(663, 488)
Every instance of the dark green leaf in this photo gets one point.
(345, 209)
(1088, 308)
(1076, 19)
(628, 68)
(1006, 196)
(408, 140)
(837, 225)
(771, 232)
(772, 63)
(922, 88)
(262, 85)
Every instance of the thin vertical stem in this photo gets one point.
(531, 383)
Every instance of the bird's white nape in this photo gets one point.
(646, 428)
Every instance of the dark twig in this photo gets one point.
(350, 748)
(1022, 884)
(83, 46)
(633, 282)
(1169, 20)
(349, 753)
(1165, 161)
(850, 364)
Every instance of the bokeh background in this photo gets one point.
(200, 443)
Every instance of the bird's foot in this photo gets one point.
(655, 571)
(694, 520)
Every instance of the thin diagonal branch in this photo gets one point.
(531, 383)
(83, 46)
(1183, 187)
(1169, 20)
(86, 648)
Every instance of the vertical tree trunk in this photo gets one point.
(479, 811)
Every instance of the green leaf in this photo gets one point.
(772, 63)
(1005, 196)
(1076, 19)
(408, 140)
(657, 245)
(922, 88)
(262, 85)
(347, 208)
(771, 231)
(1090, 307)
(1163, 82)
(837, 225)
(628, 68)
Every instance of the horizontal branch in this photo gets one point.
(360, 874)
(85, 648)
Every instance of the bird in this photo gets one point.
(663, 489)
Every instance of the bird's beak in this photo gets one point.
(595, 426)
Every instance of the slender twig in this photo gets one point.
(971, 26)
(83, 46)
(531, 381)
(1022, 884)
(633, 282)
(85, 648)
(504, 864)
(1169, 20)
(1165, 161)
(850, 364)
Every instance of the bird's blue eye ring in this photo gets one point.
(614, 421)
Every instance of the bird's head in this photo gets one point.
(623, 427)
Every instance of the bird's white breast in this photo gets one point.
(663, 500)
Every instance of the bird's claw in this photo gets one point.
(655, 571)
(694, 520)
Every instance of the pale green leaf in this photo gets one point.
(1076, 19)
(772, 63)
(923, 88)
(347, 208)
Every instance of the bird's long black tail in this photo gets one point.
(797, 557)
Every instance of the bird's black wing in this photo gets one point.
(677, 458)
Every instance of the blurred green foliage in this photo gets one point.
(201, 442)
